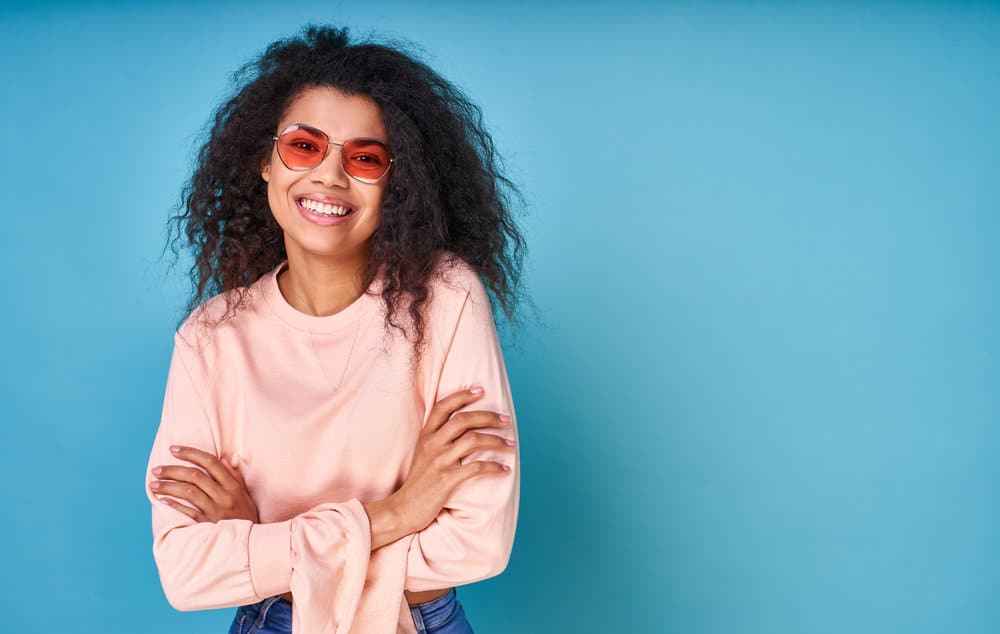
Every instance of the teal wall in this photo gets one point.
(763, 391)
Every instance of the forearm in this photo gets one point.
(387, 522)
(388, 525)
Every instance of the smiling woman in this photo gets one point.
(317, 190)
(337, 449)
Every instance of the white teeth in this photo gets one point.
(323, 208)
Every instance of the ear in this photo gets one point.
(265, 170)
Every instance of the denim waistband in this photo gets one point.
(276, 612)
(436, 611)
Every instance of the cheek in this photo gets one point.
(270, 196)
(276, 203)
(377, 199)
(277, 190)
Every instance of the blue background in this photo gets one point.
(763, 391)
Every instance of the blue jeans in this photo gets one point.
(273, 615)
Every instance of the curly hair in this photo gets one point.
(447, 192)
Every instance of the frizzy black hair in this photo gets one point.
(446, 192)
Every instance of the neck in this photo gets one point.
(321, 286)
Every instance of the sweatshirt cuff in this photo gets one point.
(270, 553)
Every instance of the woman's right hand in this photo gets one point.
(437, 461)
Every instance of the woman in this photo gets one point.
(337, 449)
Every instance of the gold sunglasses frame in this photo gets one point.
(326, 152)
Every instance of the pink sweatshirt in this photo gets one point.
(321, 421)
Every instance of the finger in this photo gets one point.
(464, 421)
(194, 476)
(479, 467)
(194, 514)
(212, 465)
(234, 471)
(185, 491)
(446, 406)
(474, 441)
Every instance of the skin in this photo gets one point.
(323, 277)
(325, 263)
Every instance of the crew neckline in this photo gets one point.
(303, 321)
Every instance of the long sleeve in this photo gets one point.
(472, 537)
(321, 555)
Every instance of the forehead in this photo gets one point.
(338, 114)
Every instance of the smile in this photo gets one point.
(324, 208)
(323, 213)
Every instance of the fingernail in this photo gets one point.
(506, 467)
(476, 389)
(157, 470)
(174, 448)
(511, 443)
(505, 418)
(155, 485)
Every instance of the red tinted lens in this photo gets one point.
(301, 148)
(365, 158)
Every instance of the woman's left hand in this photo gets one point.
(217, 493)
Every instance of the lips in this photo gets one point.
(323, 198)
(322, 218)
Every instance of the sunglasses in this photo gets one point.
(301, 147)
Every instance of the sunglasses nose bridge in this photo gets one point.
(338, 171)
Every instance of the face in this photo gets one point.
(308, 234)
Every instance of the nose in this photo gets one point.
(330, 171)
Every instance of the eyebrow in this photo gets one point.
(312, 127)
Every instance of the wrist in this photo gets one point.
(387, 522)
